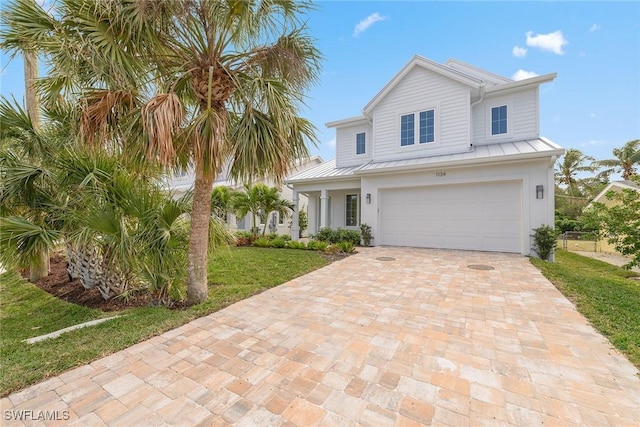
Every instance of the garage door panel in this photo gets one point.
(484, 216)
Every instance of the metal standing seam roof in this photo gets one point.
(538, 147)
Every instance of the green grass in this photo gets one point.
(603, 293)
(26, 311)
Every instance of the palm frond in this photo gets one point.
(26, 26)
(162, 116)
(102, 109)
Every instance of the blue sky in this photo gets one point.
(593, 105)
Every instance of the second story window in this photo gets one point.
(424, 127)
(499, 120)
(360, 143)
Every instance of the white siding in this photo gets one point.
(346, 145)
(422, 89)
(522, 113)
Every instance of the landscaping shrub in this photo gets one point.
(365, 232)
(278, 242)
(294, 244)
(244, 238)
(544, 240)
(346, 247)
(332, 249)
(262, 242)
(338, 235)
(317, 245)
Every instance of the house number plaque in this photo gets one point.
(441, 174)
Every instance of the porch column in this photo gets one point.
(295, 226)
(324, 208)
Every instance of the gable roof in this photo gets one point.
(602, 196)
(419, 61)
(459, 71)
(483, 154)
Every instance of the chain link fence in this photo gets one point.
(580, 241)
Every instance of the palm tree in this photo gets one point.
(260, 200)
(272, 202)
(248, 201)
(569, 167)
(205, 81)
(626, 160)
(220, 202)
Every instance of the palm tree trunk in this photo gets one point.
(41, 268)
(197, 289)
(30, 77)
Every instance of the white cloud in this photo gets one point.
(552, 42)
(331, 143)
(522, 74)
(519, 51)
(594, 27)
(592, 115)
(367, 22)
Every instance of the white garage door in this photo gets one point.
(485, 216)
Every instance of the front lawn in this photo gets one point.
(26, 311)
(603, 293)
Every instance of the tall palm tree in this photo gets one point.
(567, 169)
(627, 158)
(205, 81)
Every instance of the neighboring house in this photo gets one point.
(444, 156)
(617, 186)
(179, 185)
(614, 186)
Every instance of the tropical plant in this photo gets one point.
(346, 247)
(205, 81)
(573, 163)
(220, 202)
(365, 233)
(296, 244)
(259, 200)
(626, 160)
(545, 239)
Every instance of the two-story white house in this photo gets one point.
(444, 156)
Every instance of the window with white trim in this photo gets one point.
(424, 127)
(351, 218)
(499, 120)
(360, 143)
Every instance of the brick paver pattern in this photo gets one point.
(421, 340)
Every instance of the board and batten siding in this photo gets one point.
(346, 145)
(420, 90)
(523, 120)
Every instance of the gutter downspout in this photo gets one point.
(479, 100)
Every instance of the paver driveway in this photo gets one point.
(422, 339)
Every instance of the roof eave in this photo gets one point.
(465, 162)
(520, 84)
(347, 122)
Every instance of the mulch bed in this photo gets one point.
(57, 283)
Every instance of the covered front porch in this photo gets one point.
(333, 205)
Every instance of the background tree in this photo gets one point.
(204, 81)
(626, 160)
(259, 200)
(619, 222)
(573, 163)
(220, 202)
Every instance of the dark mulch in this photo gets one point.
(57, 283)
